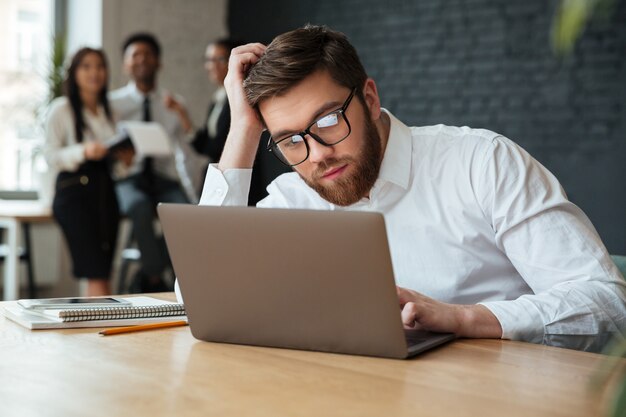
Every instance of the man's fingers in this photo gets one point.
(169, 101)
(404, 295)
(409, 315)
(256, 48)
(242, 57)
(240, 62)
(246, 54)
(126, 156)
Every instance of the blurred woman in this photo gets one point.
(209, 140)
(84, 204)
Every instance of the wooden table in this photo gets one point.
(168, 373)
(16, 214)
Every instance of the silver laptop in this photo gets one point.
(301, 279)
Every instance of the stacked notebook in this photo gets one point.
(141, 310)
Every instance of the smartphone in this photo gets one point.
(71, 302)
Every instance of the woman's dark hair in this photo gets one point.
(72, 91)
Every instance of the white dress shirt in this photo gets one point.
(62, 151)
(472, 218)
(219, 99)
(184, 166)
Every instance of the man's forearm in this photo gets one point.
(240, 148)
(245, 127)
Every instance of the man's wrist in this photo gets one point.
(478, 321)
(245, 132)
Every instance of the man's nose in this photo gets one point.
(317, 151)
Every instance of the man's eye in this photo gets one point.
(327, 121)
(294, 140)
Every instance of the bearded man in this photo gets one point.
(483, 240)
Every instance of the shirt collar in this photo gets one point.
(135, 93)
(396, 165)
(219, 95)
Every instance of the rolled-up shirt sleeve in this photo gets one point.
(579, 298)
(228, 188)
(231, 188)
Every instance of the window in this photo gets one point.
(26, 28)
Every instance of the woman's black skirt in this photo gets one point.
(85, 206)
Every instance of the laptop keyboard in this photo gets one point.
(425, 339)
(415, 337)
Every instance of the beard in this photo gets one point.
(352, 187)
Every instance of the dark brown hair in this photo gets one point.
(143, 37)
(72, 91)
(227, 43)
(293, 56)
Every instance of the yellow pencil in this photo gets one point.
(128, 329)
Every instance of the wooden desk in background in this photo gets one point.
(169, 373)
(16, 215)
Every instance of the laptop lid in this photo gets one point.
(303, 279)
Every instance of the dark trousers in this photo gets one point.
(138, 202)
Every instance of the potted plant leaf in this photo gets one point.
(54, 76)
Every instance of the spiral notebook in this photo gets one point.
(143, 310)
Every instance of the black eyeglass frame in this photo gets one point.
(271, 144)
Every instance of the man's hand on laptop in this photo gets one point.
(421, 312)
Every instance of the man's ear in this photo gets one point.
(372, 101)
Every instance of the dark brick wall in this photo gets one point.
(488, 63)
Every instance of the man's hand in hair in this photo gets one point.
(245, 126)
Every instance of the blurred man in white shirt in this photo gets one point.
(143, 182)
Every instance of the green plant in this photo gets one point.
(612, 375)
(56, 71)
(53, 73)
(571, 18)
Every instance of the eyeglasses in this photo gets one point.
(328, 130)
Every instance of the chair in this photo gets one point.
(128, 255)
(24, 256)
(620, 262)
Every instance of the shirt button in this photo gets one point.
(219, 192)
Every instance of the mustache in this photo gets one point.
(325, 165)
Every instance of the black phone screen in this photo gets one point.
(72, 300)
